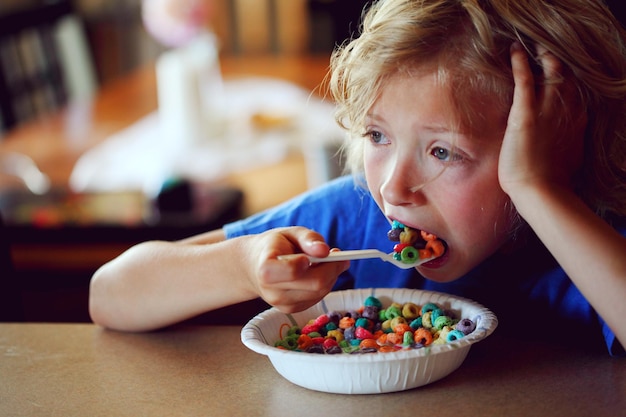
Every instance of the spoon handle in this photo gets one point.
(344, 255)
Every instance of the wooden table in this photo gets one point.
(79, 370)
(55, 142)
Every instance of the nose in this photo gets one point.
(401, 186)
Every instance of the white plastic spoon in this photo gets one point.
(350, 255)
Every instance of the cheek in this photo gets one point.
(372, 168)
(484, 218)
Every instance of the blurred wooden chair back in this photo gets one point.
(261, 26)
(44, 60)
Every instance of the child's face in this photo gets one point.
(413, 139)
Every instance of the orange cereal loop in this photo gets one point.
(425, 253)
(394, 339)
(387, 348)
(382, 339)
(346, 322)
(423, 336)
(368, 343)
(427, 236)
(436, 246)
(304, 342)
(402, 328)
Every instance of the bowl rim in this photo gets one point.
(251, 335)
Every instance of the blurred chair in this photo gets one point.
(44, 60)
(261, 26)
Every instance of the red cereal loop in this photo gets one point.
(363, 333)
(318, 340)
(398, 247)
(322, 320)
(310, 328)
(329, 343)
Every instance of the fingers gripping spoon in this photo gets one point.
(350, 255)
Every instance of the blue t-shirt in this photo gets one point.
(526, 288)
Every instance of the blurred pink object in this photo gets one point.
(175, 22)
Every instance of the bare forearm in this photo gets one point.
(155, 284)
(590, 251)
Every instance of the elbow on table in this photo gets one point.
(100, 304)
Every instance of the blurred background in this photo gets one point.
(128, 120)
(86, 91)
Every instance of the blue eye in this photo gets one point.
(445, 155)
(376, 137)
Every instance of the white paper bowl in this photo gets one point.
(366, 373)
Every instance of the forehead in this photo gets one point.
(448, 98)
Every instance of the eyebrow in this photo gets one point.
(430, 128)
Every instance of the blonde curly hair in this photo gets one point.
(468, 43)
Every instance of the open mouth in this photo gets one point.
(413, 242)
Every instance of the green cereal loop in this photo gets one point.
(350, 348)
(409, 255)
(434, 314)
(294, 330)
(407, 338)
(392, 312)
(289, 342)
(442, 321)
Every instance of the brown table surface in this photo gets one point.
(83, 370)
(56, 141)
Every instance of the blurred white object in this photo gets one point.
(263, 120)
(24, 168)
(79, 74)
(189, 86)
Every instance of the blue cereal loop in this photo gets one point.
(429, 307)
(454, 335)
